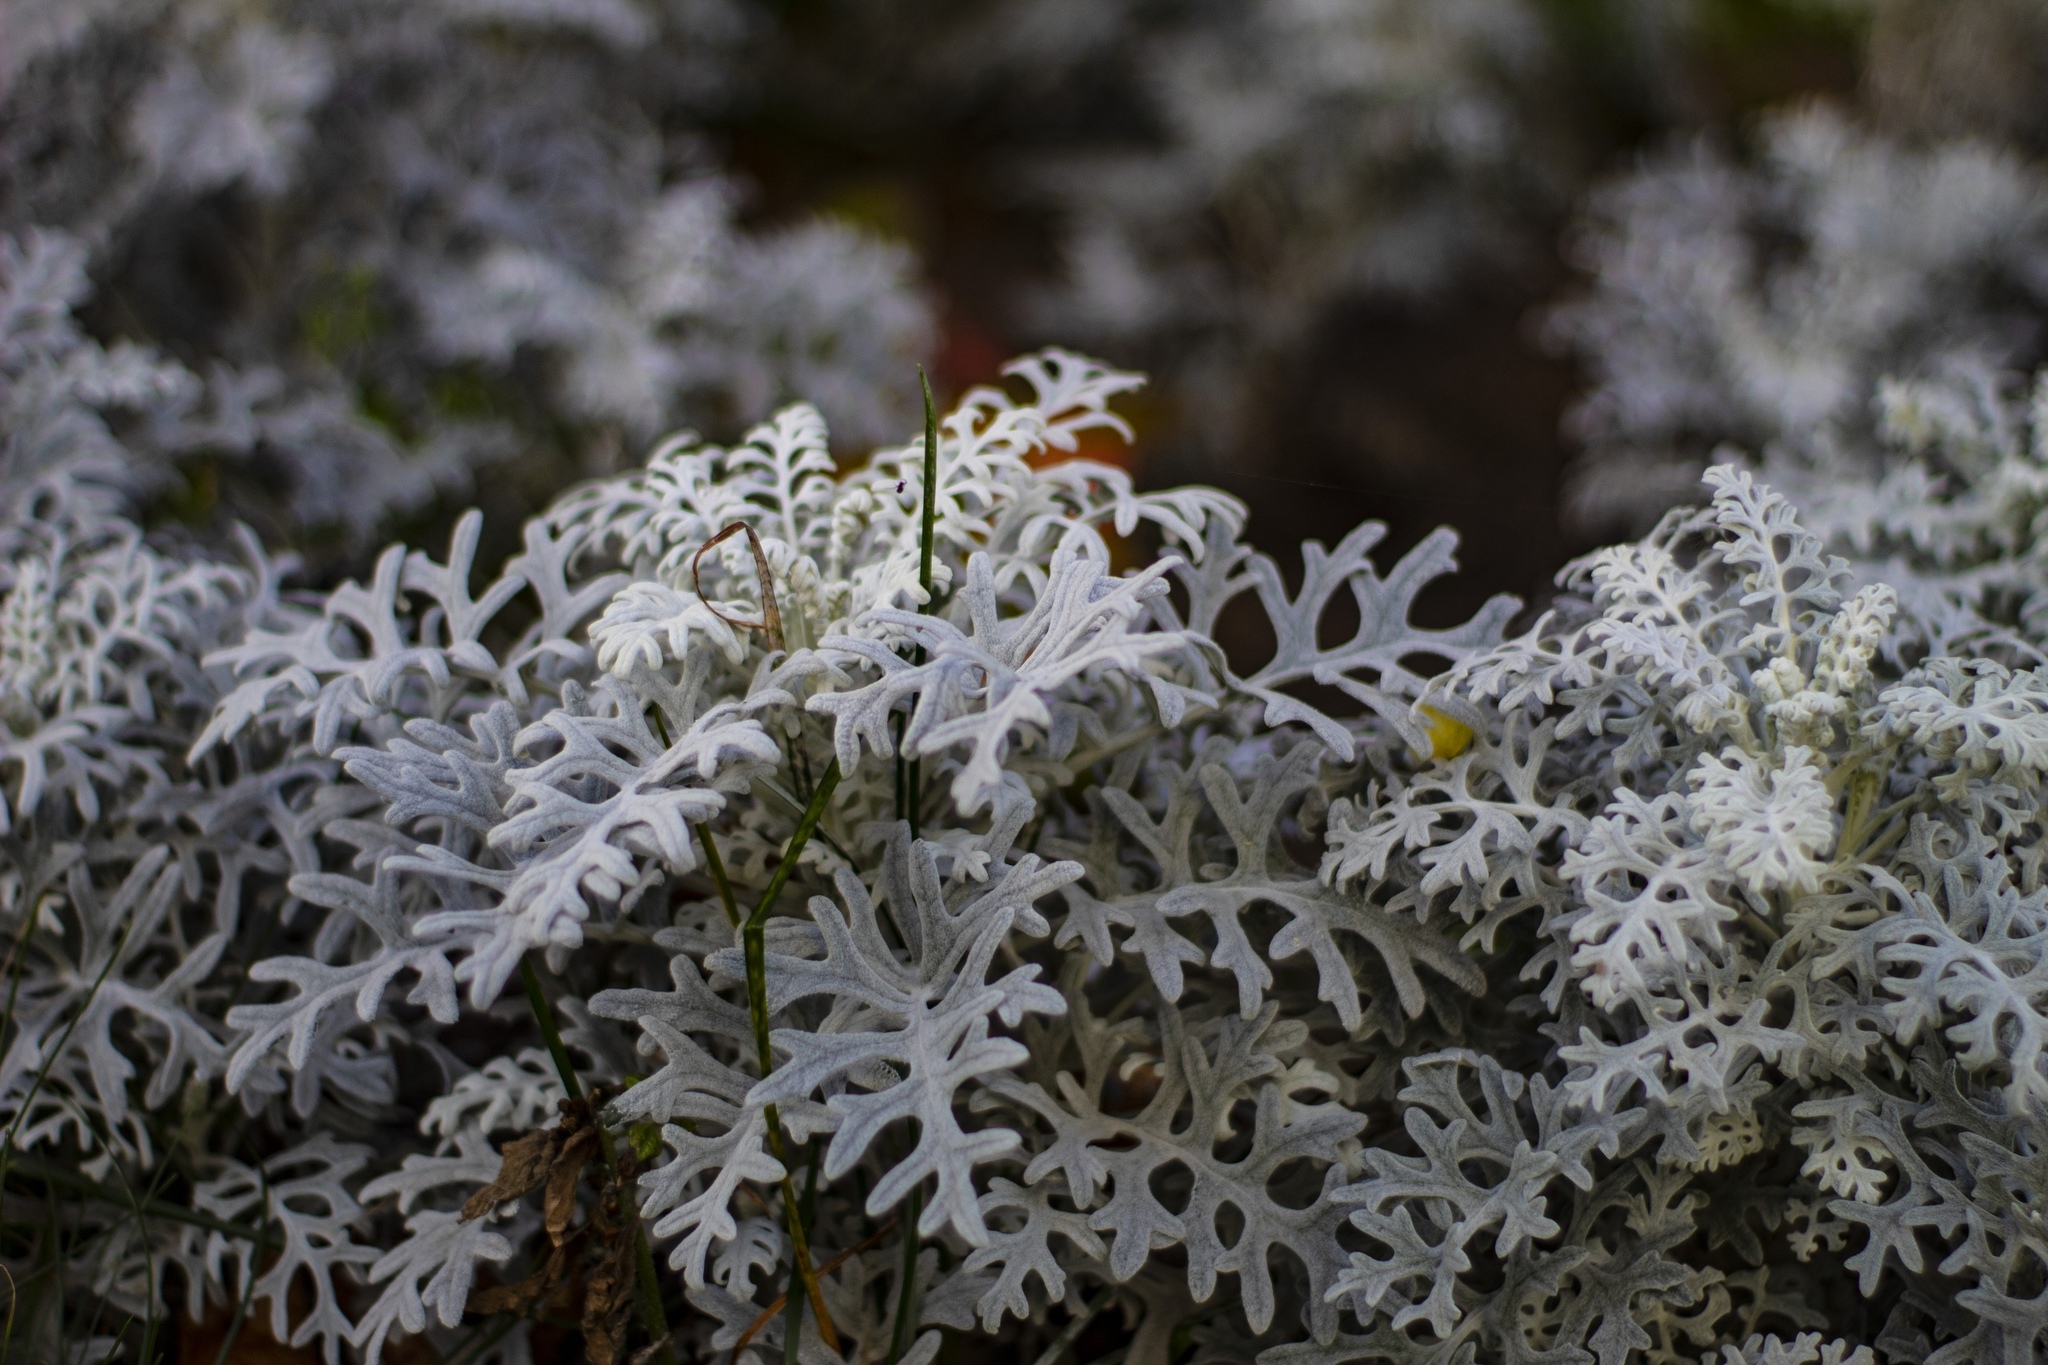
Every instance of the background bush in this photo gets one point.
(399, 958)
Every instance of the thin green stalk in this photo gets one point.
(810, 1204)
(909, 798)
(896, 724)
(792, 1320)
(927, 535)
(899, 1340)
(916, 785)
(793, 1315)
(59, 1178)
(752, 933)
(544, 1015)
(753, 940)
(27, 1282)
(802, 766)
(797, 807)
(147, 1206)
(17, 958)
(1072, 1331)
(63, 1040)
(148, 1352)
(227, 1343)
(931, 489)
(487, 1334)
(651, 1315)
(13, 1301)
(716, 866)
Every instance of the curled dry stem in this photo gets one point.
(771, 613)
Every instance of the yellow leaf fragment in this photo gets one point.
(1447, 737)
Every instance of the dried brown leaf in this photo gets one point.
(526, 1163)
(559, 1204)
(608, 1308)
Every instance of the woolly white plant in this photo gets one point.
(1786, 915)
(449, 221)
(920, 927)
(122, 867)
(1759, 302)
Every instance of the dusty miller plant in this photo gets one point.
(395, 241)
(804, 911)
(1760, 300)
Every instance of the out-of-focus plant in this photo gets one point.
(394, 241)
(1760, 304)
(1261, 166)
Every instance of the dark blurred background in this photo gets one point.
(394, 246)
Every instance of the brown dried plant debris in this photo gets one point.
(554, 1157)
(597, 1256)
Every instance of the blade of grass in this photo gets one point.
(909, 798)
(652, 1316)
(768, 1314)
(61, 1178)
(793, 1325)
(43, 1071)
(928, 524)
(488, 1333)
(17, 958)
(927, 533)
(899, 1340)
(227, 1343)
(1072, 1331)
(753, 940)
(716, 866)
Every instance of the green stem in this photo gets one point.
(544, 1015)
(896, 723)
(899, 1340)
(753, 939)
(651, 1315)
(916, 785)
(17, 958)
(753, 933)
(1072, 1331)
(487, 1334)
(63, 1040)
(716, 865)
(793, 1315)
(234, 1332)
(931, 490)
(150, 1208)
(927, 534)
(797, 807)
(909, 799)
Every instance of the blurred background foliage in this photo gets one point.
(1428, 261)
(338, 269)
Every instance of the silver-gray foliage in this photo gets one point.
(1760, 301)
(1661, 982)
(417, 203)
